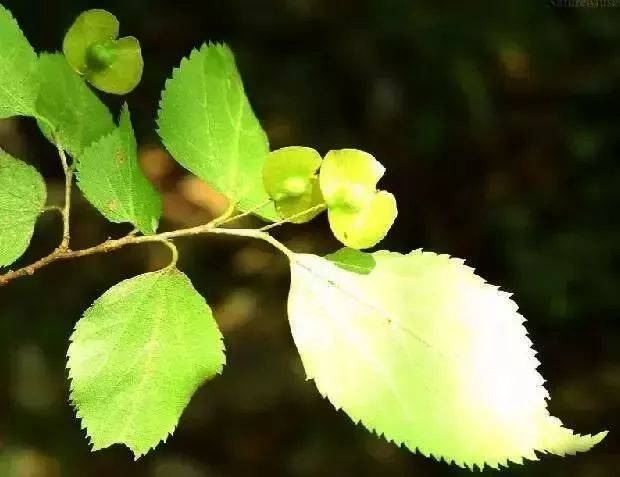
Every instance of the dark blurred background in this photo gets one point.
(498, 123)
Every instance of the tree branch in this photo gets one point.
(110, 245)
(63, 252)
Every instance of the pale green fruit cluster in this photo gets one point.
(290, 179)
(92, 47)
(345, 181)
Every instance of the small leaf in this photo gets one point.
(92, 49)
(290, 178)
(18, 63)
(77, 116)
(22, 197)
(359, 215)
(426, 353)
(137, 357)
(353, 260)
(207, 124)
(110, 177)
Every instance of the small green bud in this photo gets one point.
(93, 49)
(359, 215)
(289, 176)
(350, 197)
(100, 55)
(296, 186)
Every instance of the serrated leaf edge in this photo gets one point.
(222, 47)
(129, 214)
(517, 459)
(83, 420)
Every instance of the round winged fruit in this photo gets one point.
(290, 179)
(359, 215)
(92, 47)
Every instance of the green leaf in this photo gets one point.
(359, 215)
(137, 357)
(22, 198)
(92, 49)
(18, 63)
(353, 260)
(207, 124)
(290, 179)
(69, 106)
(110, 177)
(425, 352)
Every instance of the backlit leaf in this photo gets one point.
(426, 353)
